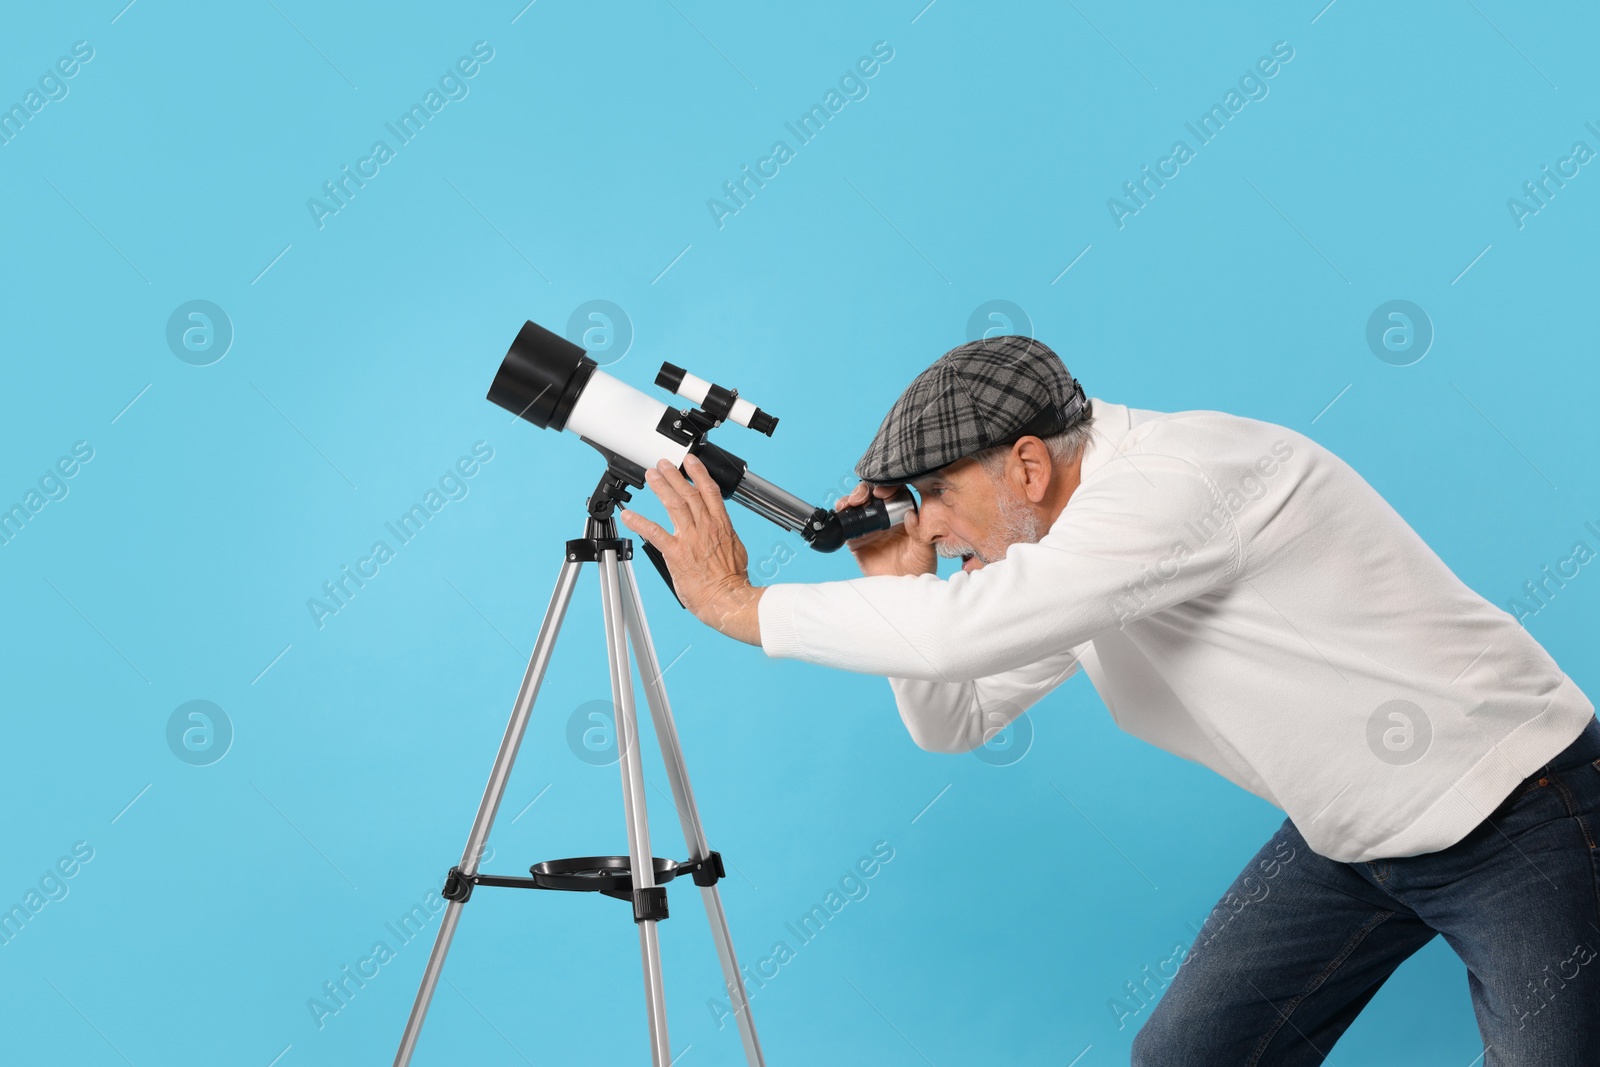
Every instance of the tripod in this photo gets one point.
(638, 876)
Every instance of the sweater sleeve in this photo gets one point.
(1146, 532)
(962, 716)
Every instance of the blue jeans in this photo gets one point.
(1300, 943)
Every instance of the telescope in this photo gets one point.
(552, 383)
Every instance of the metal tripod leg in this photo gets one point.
(641, 862)
(688, 814)
(490, 803)
(624, 621)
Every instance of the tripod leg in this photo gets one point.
(688, 815)
(490, 804)
(633, 798)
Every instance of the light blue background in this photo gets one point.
(978, 167)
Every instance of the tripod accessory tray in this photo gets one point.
(610, 875)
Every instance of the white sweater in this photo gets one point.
(1238, 596)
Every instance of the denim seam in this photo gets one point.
(1572, 810)
(1594, 858)
(1588, 835)
(1381, 882)
(1594, 867)
(1316, 983)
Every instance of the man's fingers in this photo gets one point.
(653, 532)
(674, 501)
(710, 492)
(862, 492)
(669, 500)
(913, 525)
(677, 485)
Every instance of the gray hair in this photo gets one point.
(1064, 447)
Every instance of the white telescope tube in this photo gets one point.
(616, 416)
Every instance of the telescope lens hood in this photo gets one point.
(541, 377)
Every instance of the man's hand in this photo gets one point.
(708, 562)
(897, 550)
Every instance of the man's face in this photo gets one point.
(969, 515)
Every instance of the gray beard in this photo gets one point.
(1016, 523)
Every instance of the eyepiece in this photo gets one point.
(828, 530)
(541, 377)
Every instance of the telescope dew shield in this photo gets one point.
(541, 377)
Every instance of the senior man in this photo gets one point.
(1241, 597)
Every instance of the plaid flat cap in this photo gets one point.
(987, 392)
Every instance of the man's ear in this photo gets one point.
(1037, 468)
